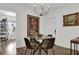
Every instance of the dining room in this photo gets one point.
(45, 28)
(50, 25)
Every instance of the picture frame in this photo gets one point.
(71, 19)
(32, 25)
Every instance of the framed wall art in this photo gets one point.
(32, 25)
(71, 19)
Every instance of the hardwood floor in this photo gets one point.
(57, 49)
(8, 47)
(0, 48)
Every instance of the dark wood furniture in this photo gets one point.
(39, 47)
(48, 44)
(28, 45)
(49, 35)
(33, 40)
(75, 42)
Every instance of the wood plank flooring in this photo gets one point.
(57, 49)
(8, 47)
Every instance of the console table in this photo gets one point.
(75, 42)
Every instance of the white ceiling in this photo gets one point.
(9, 13)
(51, 5)
(11, 16)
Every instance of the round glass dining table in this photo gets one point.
(40, 40)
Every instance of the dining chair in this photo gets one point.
(48, 44)
(49, 35)
(28, 45)
(33, 40)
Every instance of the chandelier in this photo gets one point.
(41, 10)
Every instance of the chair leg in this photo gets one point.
(47, 51)
(70, 48)
(74, 48)
(31, 51)
(26, 51)
(53, 51)
(35, 50)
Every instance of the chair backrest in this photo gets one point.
(27, 43)
(49, 35)
(34, 41)
(50, 43)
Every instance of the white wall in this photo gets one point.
(65, 34)
(48, 24)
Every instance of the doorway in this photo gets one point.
(7, 32)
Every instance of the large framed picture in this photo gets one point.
(32, 25)
(71, 19)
